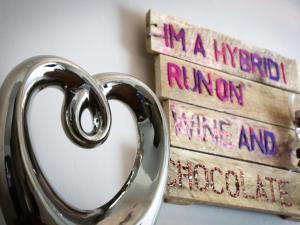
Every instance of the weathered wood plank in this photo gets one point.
(187, 82)
(201, 178)
(205, 130)
(172, 36)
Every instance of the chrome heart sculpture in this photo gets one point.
(25, 194)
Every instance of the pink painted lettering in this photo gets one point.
(221, 52)
(174, 72)
(233, 52)
(222, 89)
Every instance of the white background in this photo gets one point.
(109, 36)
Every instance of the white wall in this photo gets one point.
(104, 36)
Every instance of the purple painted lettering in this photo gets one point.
(265, 62)
(270, 143)
(272, 65)
(199, 46)
(259, 141)
(180, 36)
(238, 93)
(256, 62)
(244, 139)
(245, 63)
(201, 80)
(195, 88)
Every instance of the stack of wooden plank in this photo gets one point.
(229, 108)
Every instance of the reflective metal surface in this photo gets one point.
(294, 146)
(26, 196)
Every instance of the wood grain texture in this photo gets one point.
(205, 130)
(240, 59)
(201, 178)
(259, 102)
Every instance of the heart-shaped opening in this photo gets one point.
(83, 178)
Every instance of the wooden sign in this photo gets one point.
(187, 82)
(229, 108)
(205, 130)
(172, 36)
(197, 177)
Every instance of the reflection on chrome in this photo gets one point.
(26, 196)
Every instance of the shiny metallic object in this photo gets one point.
(25, 194)
(294, 145)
